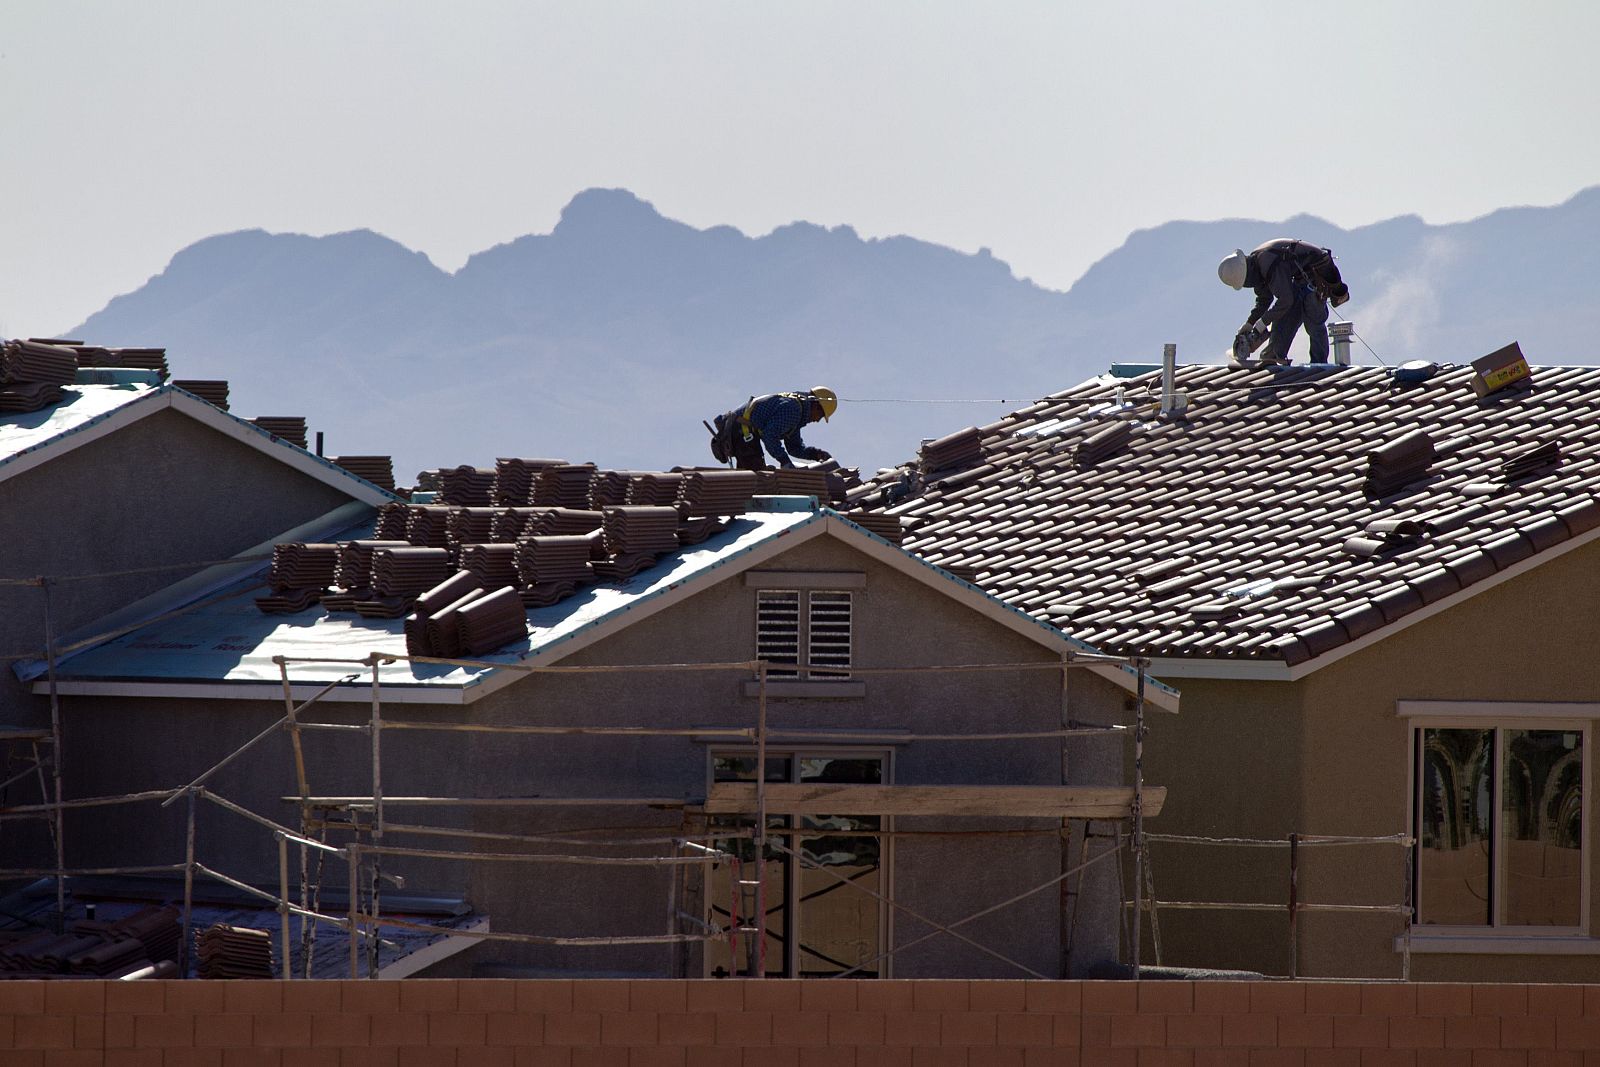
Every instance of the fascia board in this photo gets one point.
(1277, 671)
(351, 693)
(1516, 570)
(972, 596)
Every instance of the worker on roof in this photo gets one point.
(773, 421)
(1294, 282)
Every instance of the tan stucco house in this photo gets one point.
(1379, 600)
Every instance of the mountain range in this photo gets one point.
(611, 337)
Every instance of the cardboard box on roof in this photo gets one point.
(1499, 369)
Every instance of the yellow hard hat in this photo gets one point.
(825, 396)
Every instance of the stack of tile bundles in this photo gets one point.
(609, 488)
(635, 536)
(492, 622)
(234, 952)
(564, 521)
(354, 575)
(290, 428)
(379, 470)
(301, 574)
(952, 452)
(563, 486)
(495, 564)
(469, 526)
(800, 481)
(514, 478)
(32, 374)
(428, 525)
(511, 523)
(153, 932)
(393, 518)
(653, 488)
(550, 567)
(467, 487)
(885, 526)
(213, 391)
(1530, 460)
(703, 494)
(138, 358)
(1397, 463)
(446, 594)
(399, 576)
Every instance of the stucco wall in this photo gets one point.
(1328, 755)
(125, 745)
(162, 490)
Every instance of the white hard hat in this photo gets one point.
(1232, 269)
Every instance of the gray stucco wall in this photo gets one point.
(162, 490)
(898, 622)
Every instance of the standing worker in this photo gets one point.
(773, 421)
(1294, 283)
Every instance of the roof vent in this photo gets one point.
(1398, 463)
(1103, 443)
(1499, 369)
(1530, 461)
(954, 451)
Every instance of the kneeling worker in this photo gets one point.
(773, 421)
(1294, 282)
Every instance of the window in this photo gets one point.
(1499, 826)
(816, 925)
(817, 620)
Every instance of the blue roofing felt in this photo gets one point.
(81, 406)
(229, 640)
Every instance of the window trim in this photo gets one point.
(1497, 716)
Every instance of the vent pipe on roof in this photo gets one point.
(1173, 402)
(1339, 333)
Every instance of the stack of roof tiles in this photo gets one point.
(511, 523)
(494, 564)
(32, 374)
(1259, 485)
(703, 494)
(654, 488)
(448, 593)
(144, 941)
(354, 574)
(491, 621)
(301, 573)
(563, 521)
(154, 359)
(885, 526)
(290, 428)
(469, 526)
(953, 451)
(466, 486)
(564, 485)
(399, 575)
(428, 525)
(379, 470)
(609, 488)
(393, 518)
(233, 952)
(635, 537)
(514, 478)
(551, 567)
(213, 391)
(1396, 464)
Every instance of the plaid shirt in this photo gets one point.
(778, 419)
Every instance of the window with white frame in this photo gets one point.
(815, 621)
(1501, 842)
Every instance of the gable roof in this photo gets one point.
(88, 412)
(224, 647)
(1254, 536)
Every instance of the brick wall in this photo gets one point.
(490, 1023)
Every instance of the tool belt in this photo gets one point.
(1322, 274)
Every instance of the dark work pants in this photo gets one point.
(1308, 310)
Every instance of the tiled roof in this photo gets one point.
(1250, 528)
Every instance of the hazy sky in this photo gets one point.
(1044, 131)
